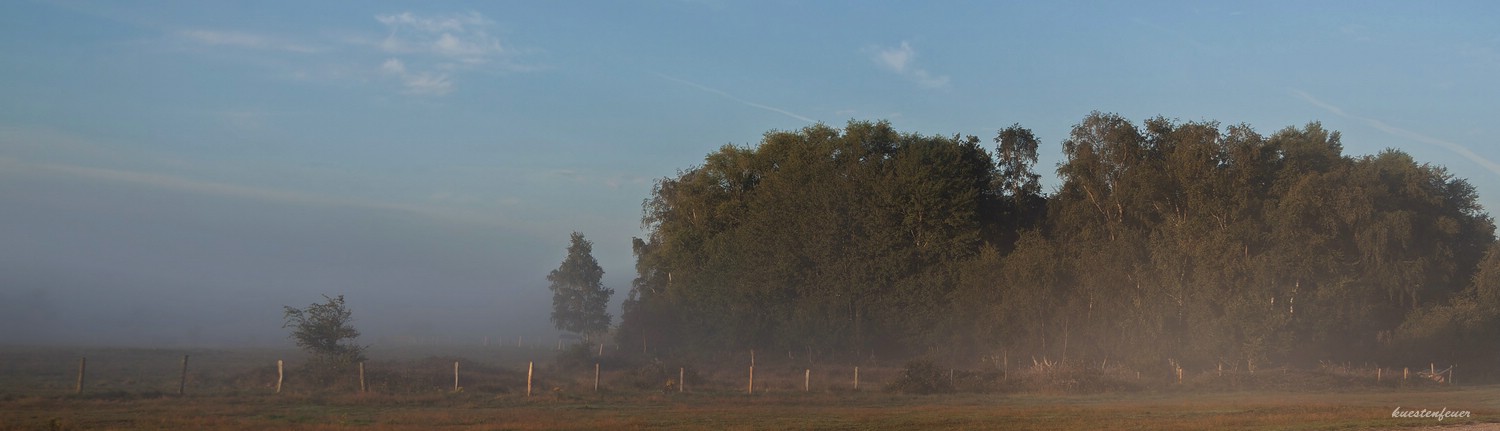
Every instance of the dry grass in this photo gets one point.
(731, 411)
(135, 390)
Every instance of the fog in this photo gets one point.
(106, 263)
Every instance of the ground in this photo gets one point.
(136, 389)
(731, 411)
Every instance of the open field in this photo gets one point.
(136, 389)
(1157, 411)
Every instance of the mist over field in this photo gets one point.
(123, 265)
(732, 214)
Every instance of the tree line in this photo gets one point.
(1166, 239)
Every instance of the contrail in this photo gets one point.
(1397, 131)
(736, 99)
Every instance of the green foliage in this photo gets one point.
(1180, 240)
(577, 357)
(831, 238)
(654, 374)
(579, 298)
(1187, 241)
(325, 331)
(1462, 329)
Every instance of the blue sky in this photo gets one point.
(180, 170)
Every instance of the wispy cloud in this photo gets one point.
(735, 98)
(901, 60)
(244, 40)
(420, 83)
(426, 50)
(1402, 133)
(428, 55)
(236, 191)
(463, 38)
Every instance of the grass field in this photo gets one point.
(727, 411)
(127, 394)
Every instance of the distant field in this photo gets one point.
(136, 389)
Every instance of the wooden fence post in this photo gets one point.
(182, 383)
(596, 376)
(681, 379)
(528, 377)
(1005, 372)
(751, 388)
(361, 377)
(456, 388)
(807, 380)
(280, 373)
(83, 364)
(856, 378)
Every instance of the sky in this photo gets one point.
(174, 173)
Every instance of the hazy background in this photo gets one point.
(172, 174)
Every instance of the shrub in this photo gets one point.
(580, 357)
(921, 377)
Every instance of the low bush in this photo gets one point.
(921, 377)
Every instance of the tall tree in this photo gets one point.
(579, 298)
(1020, 201)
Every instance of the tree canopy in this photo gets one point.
(822, 237)
(1184, 240)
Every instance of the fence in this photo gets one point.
(499, 370)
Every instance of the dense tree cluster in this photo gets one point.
(1165, 240)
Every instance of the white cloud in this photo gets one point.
(900, 60)
(896, 59)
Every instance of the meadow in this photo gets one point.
(408, 390)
